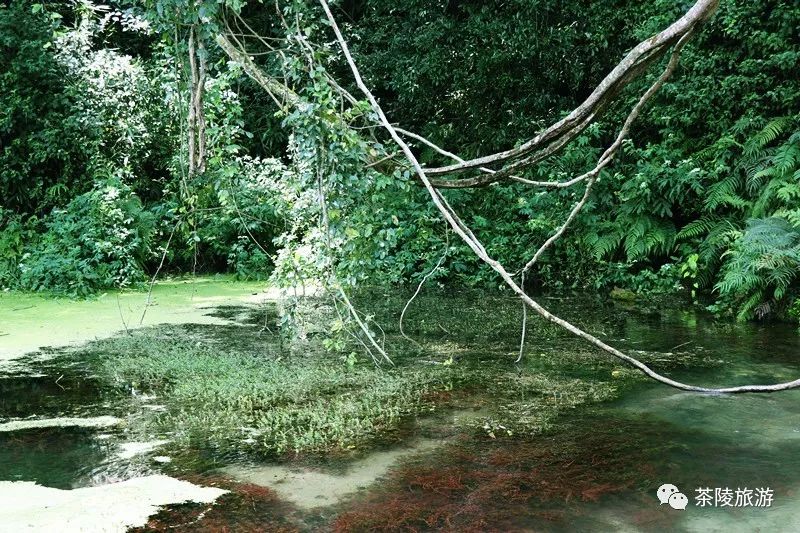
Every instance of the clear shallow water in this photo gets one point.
(64, 457)
(723, 442)
(717, 441)
(689, 440)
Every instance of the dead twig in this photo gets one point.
(421, 283)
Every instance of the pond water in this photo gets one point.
(597, 470)
(718, 442)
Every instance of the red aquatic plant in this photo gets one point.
(247, 508)
(513, 485)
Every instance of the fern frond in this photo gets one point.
(648, 236)
(769, 133)
(724, 193)
(786, 157)
(755, 177)
(748, 307)
(698, 227)
(604, 245)
(788, 192)
(765, 257)
(791, 215)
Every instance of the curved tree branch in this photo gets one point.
(546, 143)
(458, 226)
(626, 70)
(269, 84)
(612, 150)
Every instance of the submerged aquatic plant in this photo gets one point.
(272, 403)
(473, 485)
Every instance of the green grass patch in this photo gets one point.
(264, 400)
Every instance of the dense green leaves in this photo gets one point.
(761, 267)
(99, 240)
(707, 156)
(694, 199)
(40, 162)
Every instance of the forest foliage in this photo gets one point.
(94, 189)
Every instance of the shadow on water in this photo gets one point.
(55, 457)
(61, 456)
(63, 394)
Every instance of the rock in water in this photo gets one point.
(111, 508)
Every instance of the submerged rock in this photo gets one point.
(94, 422)
(105, 508)
(129, 450)
(309, 489)
(623, 295)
